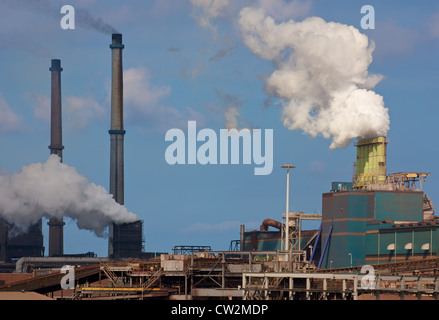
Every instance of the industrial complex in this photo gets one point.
(380, 225)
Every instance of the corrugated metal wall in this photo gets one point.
(348, 213)
(423, 238)
(398, 206)
(363, 227)
(371, 161)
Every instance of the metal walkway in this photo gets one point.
(324, 286)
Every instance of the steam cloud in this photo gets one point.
(321, 76)
(82, 16)
(209, 10)
(53, 190)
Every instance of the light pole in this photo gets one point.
(350, 254)
(287, 221)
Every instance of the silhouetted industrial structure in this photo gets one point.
(14, 244)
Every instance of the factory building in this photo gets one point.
(380, 217)
(376, 218)
(14, 245)
(367, 227)
(126, 240)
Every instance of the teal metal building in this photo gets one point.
(367, 227)
(379, 217)
(362, 227)
(376, 218)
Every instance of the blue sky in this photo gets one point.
(186, 61)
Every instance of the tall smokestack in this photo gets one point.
(116, 131)
(56, 146)
(56, 226)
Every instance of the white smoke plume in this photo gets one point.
(231, 117)
(321, 76)
(54, 190)
(232, 113)
(208, 10)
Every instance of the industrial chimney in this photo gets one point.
(56, 226)
(116, 131)
(124, 240)
(371, 164)
(116, 134)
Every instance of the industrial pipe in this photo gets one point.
(270, 223)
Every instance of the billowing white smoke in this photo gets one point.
(53, 190)
(321, 76)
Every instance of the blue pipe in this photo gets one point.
(316, 242)
(326, 245)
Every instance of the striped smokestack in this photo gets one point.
(124, 240)
(56, 226)
(117, 133)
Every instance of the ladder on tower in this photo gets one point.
(154, 277)
(110, 274)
